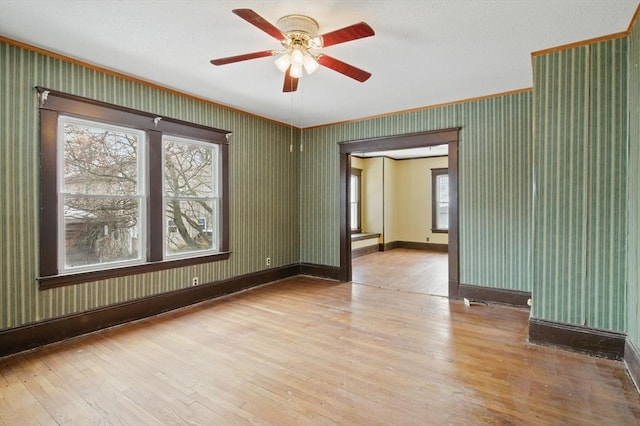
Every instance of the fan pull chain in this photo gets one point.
(292, 120)
(301, 121)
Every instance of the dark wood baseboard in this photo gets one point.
(632, 360)
(363, 251)
(33, 335)
(322, 271)
(494, 295)
(388, 246)
(602, 343)
(442, 248)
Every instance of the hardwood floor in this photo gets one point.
(400, 269)
(306, 351)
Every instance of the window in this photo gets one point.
(126, 192)
(190, 196)
(440, 200)
(101, 194)
(355, 198)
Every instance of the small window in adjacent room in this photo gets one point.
(440, 200)
(355, 198)
(126, 192)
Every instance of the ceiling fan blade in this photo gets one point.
(239, 58)
(344, 68)
(254, 19)
(290, 83)
(352, 32)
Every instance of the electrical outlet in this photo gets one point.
(195, 281)
(268, 261)
(427, 239)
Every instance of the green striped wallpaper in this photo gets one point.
(633, 190)
(264, 188)
(495, 185)
(579, 244)
(568, 247)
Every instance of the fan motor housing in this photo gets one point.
(298, 24)
(300, 30)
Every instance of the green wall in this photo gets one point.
(633, 191)
(580, 142)
(567, 244)
(263, 188)
(495, 185)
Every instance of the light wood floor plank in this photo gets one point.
(306, 351)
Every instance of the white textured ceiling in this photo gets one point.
(425, 52)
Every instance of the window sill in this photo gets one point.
(440, 231)
(364, 236)
(54, 281)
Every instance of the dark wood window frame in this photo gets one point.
(434, 205)
(52, 104)
(358, 172)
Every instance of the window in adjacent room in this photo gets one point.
(125, 192)
(440, 200)
(355, 198)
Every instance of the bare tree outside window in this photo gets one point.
(191, 195)
(100, 192)
(124, 191)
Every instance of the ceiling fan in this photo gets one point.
(298, 35)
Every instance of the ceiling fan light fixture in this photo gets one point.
(283, 62)
(298, 35)
(297, 57)
(296, 70)
(310, 63)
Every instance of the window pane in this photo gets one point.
(100, 161)
(354, 215)
(443, 189)
(190, 226)
(100, 230)
(189, 168)
(442, 219)
(354, 188)
(443, 216)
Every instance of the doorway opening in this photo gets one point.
(447, 137)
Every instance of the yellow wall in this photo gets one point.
(389, 171)
(396, 198)
(372, 195)
(412, 206)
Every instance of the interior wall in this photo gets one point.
(580, 227)
(371, 182)
(633, 194)
(391, 197)
(413, 200)
(494, 179)
(264, 188)
(409, 216)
